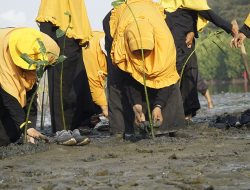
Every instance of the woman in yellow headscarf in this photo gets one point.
(185, 18)
(96, 67)
(159, 64)
(77, 103)
(18, 78)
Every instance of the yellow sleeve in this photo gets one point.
(247, 21)
(96, 68)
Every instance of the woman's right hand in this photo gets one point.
(139, 115)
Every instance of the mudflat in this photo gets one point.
(198, 157)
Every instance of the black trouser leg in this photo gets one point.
(77, 101)
(188, 81)
(120, 113)
(12, 115)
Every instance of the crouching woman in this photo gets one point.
(18, 80)
(150, 34)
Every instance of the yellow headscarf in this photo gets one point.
(160, 64)
(13, 79)
(198, 5)
(96, 67)
(53, 11)
(247, 21)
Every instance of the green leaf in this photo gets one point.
(42, 63)
(117, 3)
(61, 58)
(39, 72)
(59, 33)
(26, 58)
(42, 46)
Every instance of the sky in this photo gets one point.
(15, 13)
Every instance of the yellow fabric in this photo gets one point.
(160, 63)
(198, 5)
(173, 5)
(53, 11)
(27, 44)
(96, 67)
(247, 21)
(13, 79)
(133, 36)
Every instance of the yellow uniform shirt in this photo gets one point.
(160, 64)
(96, 67)
(53, 11)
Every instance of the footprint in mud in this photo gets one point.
(111, 155)
(102, 173)
(91, 158)
(143, 150)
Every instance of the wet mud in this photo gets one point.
(198, 157)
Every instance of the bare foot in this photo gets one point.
(210, 105)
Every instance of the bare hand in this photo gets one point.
(157, 116)
(238, 40)
(34, 134)
(189, 39)
(139, 115)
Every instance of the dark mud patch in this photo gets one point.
(13, 150)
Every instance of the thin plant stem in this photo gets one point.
(42, 106)
(61, 93)
(28, 112)
(61, 77)
(182, 70)
(144, 75)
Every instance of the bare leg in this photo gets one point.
(210, 104)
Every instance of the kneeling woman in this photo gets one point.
(18, 80)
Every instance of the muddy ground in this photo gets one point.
(199, 157)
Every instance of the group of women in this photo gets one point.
(144, 44)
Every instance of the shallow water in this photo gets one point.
(227, 98)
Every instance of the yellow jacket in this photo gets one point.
(160, 64)
(14, 80)
(53, 11)
(198, 5)
(247, 21)
(96, 67)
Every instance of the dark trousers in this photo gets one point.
(188, 85)
(120, 112)
(12, 115)
(168, 97)
(77, 101)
